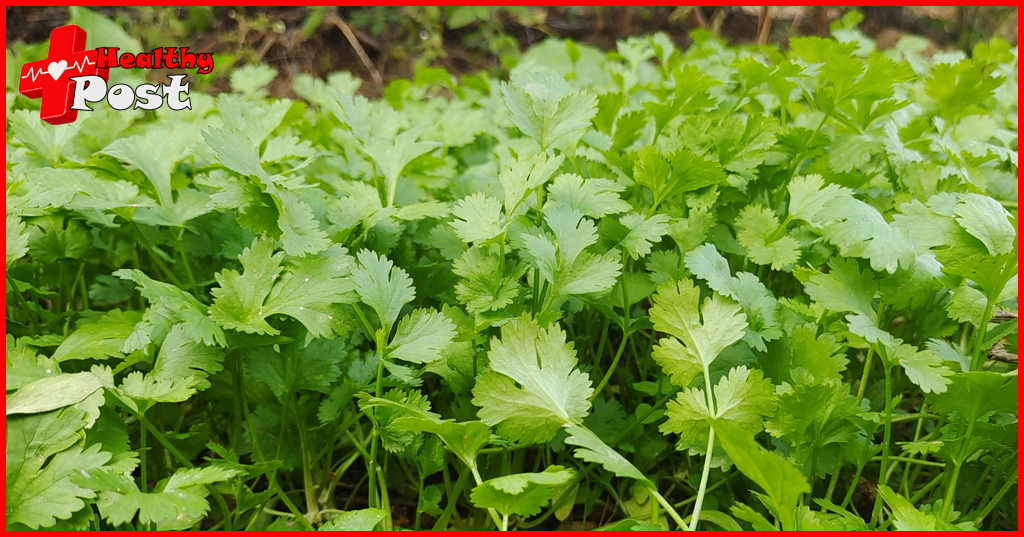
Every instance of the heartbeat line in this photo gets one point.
(32, 72)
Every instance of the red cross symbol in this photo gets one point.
(51, 78)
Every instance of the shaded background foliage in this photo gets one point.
(380, 44)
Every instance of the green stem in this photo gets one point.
(453, 496)
(669, 509)
(480, 481)
(910, 460)
(180, 243)
(611, 368)
(181, 458)
(950, 496)
(1010, 483)
(24, 304)
(977, 360)
(143, 481)
(886, 438)
(702, 490)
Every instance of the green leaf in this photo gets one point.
(756, 231)
(533, 387)
(760, 307)
(478, 219)
(155, 153)
(100, 339)
(524, 174)
(595, 198)
(743, 398)
(844, 288)
(464, 439)
(17, 239)
(985, 219)
(591, 449)
(358, 520)
(306, 291)
(421, 337)
(906, 517)
(297, 366)
(704, 331)
(51, 393)
(382, 286)
(545, 108)
(643, 231)
(569, 268)
(922, 367)
(180, 504)
(41, 460)
(520, 494)
(782, 482)
(976, 393)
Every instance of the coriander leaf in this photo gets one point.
(382, 286)
(520, 494)
(590, 448)
(922, 367)
(100, 339)
(478, 219)
(595, 198)
(298, 366)
(743, 398)
(643, 231)
(906, 517)
(358, 520)
(985, 219)
(421, 337)
(51, 393)
(41, 458)
(844, 288)
(533, 387)
(705, 331)
(782, 482)
(545, 108)
(756, 231)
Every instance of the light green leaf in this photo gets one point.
(382, 286)
(590, 448)
(782, 482)
(533, 387)
(421, 337)
(100, 339)
(359, 520)
(705, 331)
(520, 494)
(54, 392)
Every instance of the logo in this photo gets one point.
(71, 77)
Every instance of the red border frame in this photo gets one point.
(3, 17)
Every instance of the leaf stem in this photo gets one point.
(702, 490)
(977, 360)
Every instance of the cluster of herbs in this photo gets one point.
(719, 288)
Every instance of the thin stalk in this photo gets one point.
(181, 458)
(886, 438)
(1010, 483)
(669, 509)
(180, 244)
(385, 500)
(453, 496)
(308, 485)
(950, 496)
(24, 304)
(480, 481)
(144, 483)
(702, 490)
(977, 360)
(910, 460)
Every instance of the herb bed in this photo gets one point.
(719, 288)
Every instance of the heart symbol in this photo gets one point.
(58, 68)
